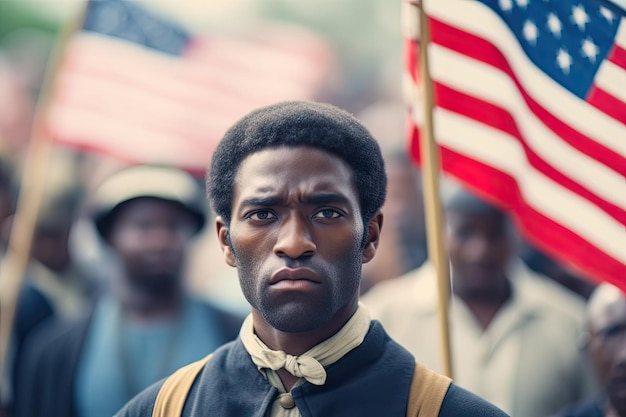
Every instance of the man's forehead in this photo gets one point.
(290, 159)
(288, 148)
(272, 170)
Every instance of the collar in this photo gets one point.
(310, 365)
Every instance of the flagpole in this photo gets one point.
(30, 197)
(432, 202)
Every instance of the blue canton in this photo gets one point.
(128, 21)
(568, 40)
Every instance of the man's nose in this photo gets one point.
(294, 238)
(162, 237)
(479, 248)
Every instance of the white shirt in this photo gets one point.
(527, 362)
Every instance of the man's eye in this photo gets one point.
(261, 215)
(327, 214)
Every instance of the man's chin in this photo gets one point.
(294, 319)
(158, 283)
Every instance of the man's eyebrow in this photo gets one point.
(316, 199)
(325, 198)
(261, 201)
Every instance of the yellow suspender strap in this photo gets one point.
(171, 398)
(427, 391)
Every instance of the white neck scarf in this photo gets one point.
(309, 365)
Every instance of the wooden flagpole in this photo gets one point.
(432, 202)
(30, 197)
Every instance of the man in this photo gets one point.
(513, 334)
(606, 345)
(144, 326)
(53, 287)
(298, 188)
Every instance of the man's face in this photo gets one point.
(296, 237)
(480, 247)
(150, 236)
(51, 244)
(608, 351)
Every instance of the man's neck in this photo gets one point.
(486, 305)
(497, 293)
(143, 306)
(298, 343)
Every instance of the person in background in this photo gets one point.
(51, 275)
(298, 188)
(513, 335)
(53, 287)
(143, 325)
(606, 347)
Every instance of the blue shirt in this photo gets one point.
(151, 352)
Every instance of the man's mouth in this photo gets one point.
(294, 274)
(294, 279)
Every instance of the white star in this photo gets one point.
(564, 60)
(505, 5)
(554, 24)
(522, 3)
(580, 16)
(530, 32)
(607, 14)
(590, 50)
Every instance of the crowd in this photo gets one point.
(311, 217)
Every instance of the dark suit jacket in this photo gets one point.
(371, 380)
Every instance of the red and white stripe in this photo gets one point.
(508, 131)
(121, 99)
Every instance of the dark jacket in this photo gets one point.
(371, 380)
(50, 362)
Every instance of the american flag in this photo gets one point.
(136, 85)
(530, 112)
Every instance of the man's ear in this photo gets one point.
(223, 235)
(374, 227)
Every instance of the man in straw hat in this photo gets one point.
(145, 325)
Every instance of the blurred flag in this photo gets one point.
(530, 112)
(137, 86)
